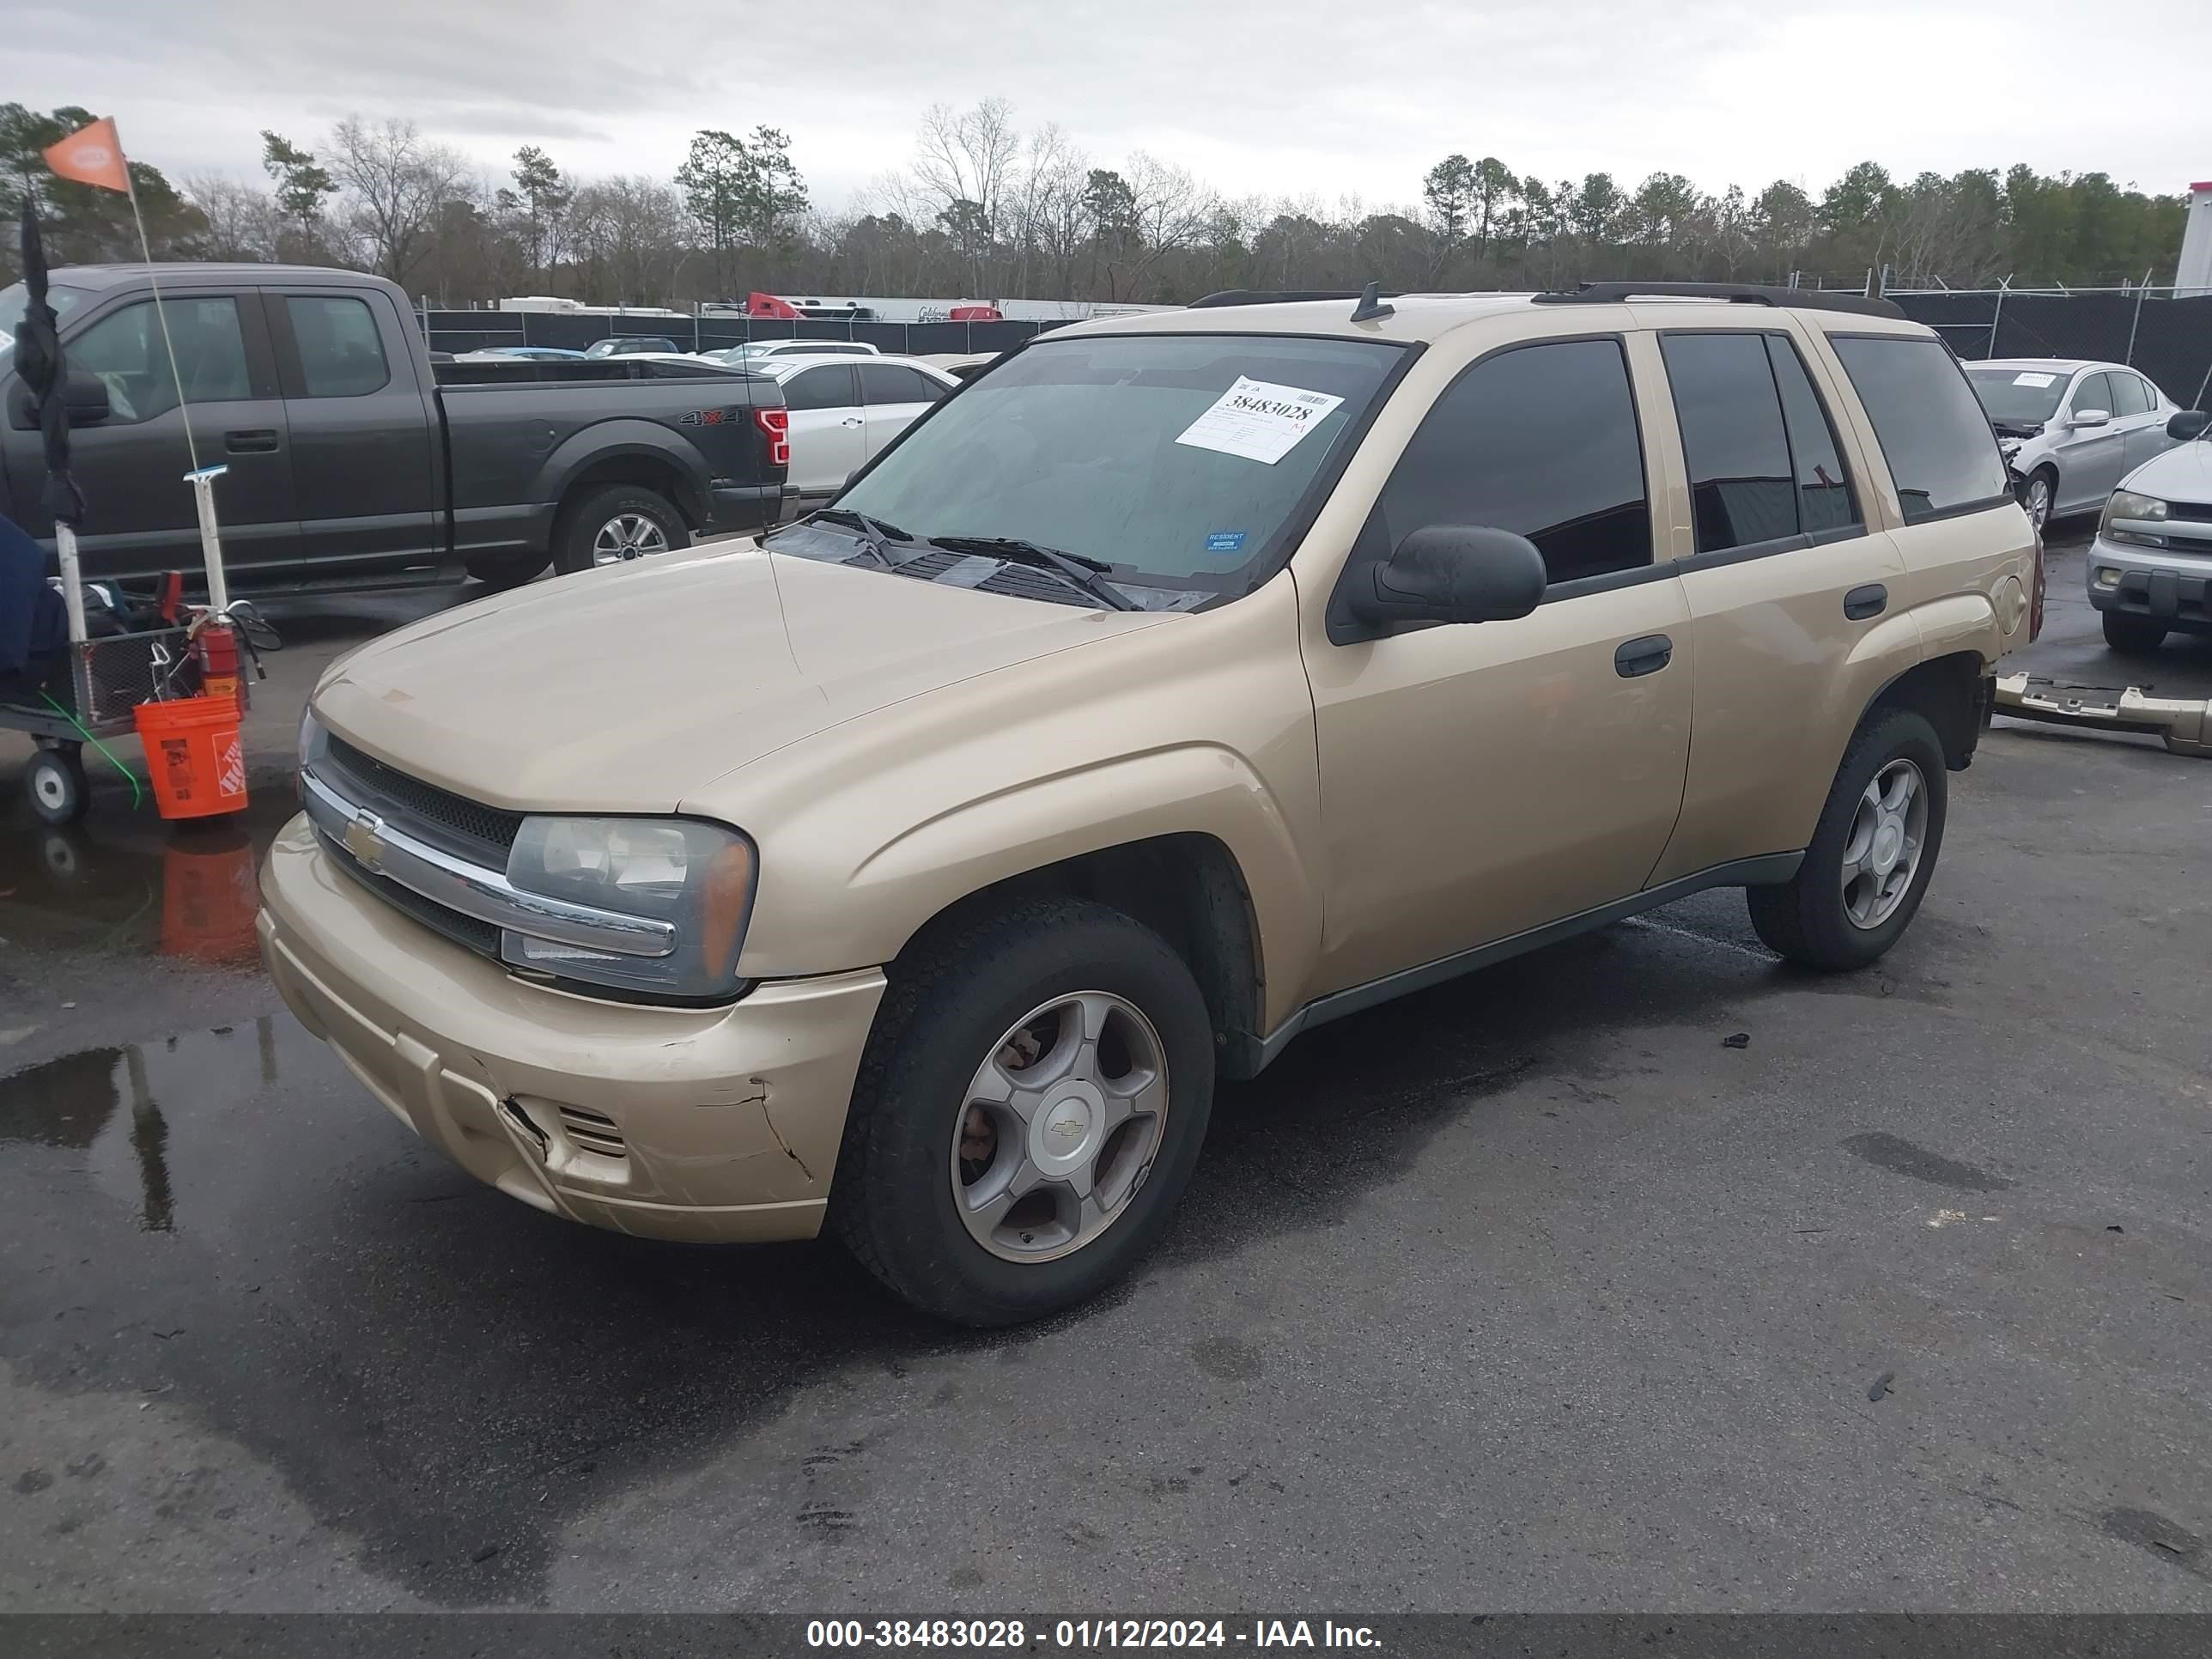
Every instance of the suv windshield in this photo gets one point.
(15, 297)
(2018, 397)
(1173, 460)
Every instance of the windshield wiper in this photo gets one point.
(875, 536)
(1083, 573)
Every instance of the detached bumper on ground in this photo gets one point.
(707, 1125)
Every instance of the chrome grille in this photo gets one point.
(479, 936)
(453, 821)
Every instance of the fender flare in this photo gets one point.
(608, 440)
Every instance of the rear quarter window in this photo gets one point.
(1938, 443)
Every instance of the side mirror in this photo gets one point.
(84, 395)
(2087, 417)
(2188, 425)
(1450, 573)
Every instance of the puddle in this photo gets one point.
(107, 1103)
(117, 884)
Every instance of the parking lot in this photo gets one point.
(1535, 1291)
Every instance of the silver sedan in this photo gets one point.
(2073, 429)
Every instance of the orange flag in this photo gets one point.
(91, 155)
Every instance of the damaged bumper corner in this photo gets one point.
(2184, 726)
(704, 1125)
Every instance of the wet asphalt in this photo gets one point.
(1530, 1293)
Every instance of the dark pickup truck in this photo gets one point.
(356, 462)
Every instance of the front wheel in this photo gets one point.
(1871, 855)
(2042, 496)
(1027, 1113)
(2132, 635)
(616, 525)
(55, 781)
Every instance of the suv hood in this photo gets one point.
(2184, 473)
(625, 689)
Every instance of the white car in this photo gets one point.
(844, 410)
(2073, 429)
(754, 353)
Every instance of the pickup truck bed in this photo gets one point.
(354, 460)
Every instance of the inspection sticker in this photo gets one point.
(2033, 379)
(1259, 420)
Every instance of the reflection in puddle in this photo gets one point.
(106, 1103)
(190, 892)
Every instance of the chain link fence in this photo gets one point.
(2166, 336)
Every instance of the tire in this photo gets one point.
(1809, 920)
(2042, 483)
(505, 570)
(2132, 635)
(619, 514)
(55, 782)
(957, 1003)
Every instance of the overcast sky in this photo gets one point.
(1255, 96)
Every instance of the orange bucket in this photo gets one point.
(196, 755)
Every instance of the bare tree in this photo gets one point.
(243, 222)
(395, 189)
(961, 167)
(1168, 212)
(628, 235)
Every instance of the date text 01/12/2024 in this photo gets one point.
(1086, 1633)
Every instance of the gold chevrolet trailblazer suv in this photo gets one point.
(1185, 681)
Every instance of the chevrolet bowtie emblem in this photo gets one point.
(364, 839)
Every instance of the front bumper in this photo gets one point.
(2173, 584)
(706, 1125)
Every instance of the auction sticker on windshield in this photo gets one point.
(2033, 379)
(1259, 420)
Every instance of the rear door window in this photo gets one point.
(829, 386)
(2130, 396)
(1941, 452)
(1542, 440)
(895, 383)
(1742, 487)
(340, 353)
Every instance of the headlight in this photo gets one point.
(2126, 504)
(696, 876)
(311, 741)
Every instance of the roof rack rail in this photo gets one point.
(1749, 293)
(1253, 296)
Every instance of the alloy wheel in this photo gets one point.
(1882, 852)
(1062, 1121)
(627, 535)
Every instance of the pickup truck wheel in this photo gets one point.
(507, 569)
(1027, 1113)
(1871, 855)
(2132, 635)
(615, 525)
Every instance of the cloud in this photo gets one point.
(1274, 97)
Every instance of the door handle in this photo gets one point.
(850, 420)
(260, 442)
(1647, 655)
(1863, 602)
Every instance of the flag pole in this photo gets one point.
(201, 478)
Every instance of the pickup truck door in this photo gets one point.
(828, 427)
(366, 464)
(139, 513)
(1479, 781)
(896, 396)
